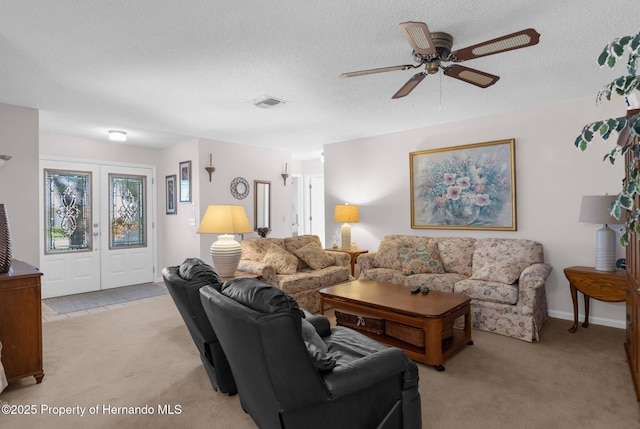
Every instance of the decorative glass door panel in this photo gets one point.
(68, 211)
(127, 211)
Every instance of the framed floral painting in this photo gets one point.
(464, 187)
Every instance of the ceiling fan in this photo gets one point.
(433, 49)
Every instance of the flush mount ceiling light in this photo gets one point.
(267, 102)
(117, 136)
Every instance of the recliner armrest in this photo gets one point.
(321, 323)
(363, 373)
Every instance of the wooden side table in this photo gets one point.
(609, 286)
(21, 322)
(353, 253)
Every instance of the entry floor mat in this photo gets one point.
(102, 298)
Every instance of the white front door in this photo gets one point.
(70, 240)
(97, 227)
(126, 232)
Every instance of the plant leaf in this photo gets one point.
(602, 59)
(625, 202)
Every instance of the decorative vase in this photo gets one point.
(5, 241)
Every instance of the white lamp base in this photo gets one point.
(225, 255)
(346, 236)
(605, 249)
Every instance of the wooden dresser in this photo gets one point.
(632, 342)
(21, 322)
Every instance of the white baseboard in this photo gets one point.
(621, 324)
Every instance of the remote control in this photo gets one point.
(425, 290)
(415, 289)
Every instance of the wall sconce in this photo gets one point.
(3, 159)
(285, 174)
(210, 168)
(117, 136)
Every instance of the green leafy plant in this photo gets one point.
(622, 86)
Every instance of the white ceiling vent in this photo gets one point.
(267, 102)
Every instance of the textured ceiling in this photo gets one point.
(166, 70)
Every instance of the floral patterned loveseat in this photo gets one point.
(505, 278)
(297, 265)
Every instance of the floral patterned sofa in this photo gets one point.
(297, 265)
(505, 278)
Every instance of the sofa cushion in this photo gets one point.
(384, 275)
(502, 260)
(387, 255)
(441, 282)
(423, 258)
(488, 291)
(255, 249)
(283, 261)
(456, 254)
(314, 256)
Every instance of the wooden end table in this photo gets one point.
(608, 286)
(430, 313)
(353, 253)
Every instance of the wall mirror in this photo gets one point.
(262, 207)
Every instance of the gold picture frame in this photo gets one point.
(464, 187)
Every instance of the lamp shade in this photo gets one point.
(346, 213)
(595, 209)
(224, 219)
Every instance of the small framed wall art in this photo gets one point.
(171, 190)
(464, 187)
(185, 182)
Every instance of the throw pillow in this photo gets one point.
(283, 261)
(421, 259)
(387, 254)
(314, 256)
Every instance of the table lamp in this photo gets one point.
(346, 213)
(226, 220)
(595, 209)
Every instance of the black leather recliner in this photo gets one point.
(287, 381)
(184, 283)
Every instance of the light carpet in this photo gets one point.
(142, 355)
(103, 298)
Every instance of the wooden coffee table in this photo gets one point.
(432, 313)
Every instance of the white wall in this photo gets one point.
(19, 179)
(251, 163)
(176, 234)
(551, 177)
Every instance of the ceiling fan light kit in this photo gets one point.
(432, 49)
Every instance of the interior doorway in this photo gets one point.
(308, 205)
(97, 226)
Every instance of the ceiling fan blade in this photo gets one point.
(418, 36)
(517, 40)
(408, 87)
(474, 77)
(379, 70)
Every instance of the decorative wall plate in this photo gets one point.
(239, 188)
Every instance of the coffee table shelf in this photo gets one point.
(430, 313)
